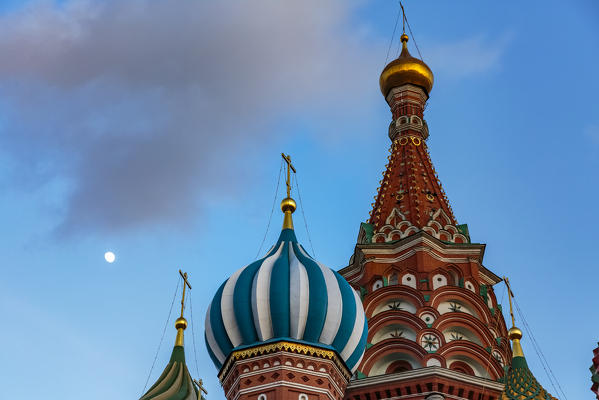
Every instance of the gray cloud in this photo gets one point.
(138, 104)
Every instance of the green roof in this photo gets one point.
(175, 382)
(520, 383)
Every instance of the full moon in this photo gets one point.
(109, 256)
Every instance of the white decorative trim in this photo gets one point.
(398, 227)
(425, 372)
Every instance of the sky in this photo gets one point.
(154, 129)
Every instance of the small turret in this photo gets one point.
(175, 382)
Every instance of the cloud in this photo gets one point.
(473, 55)
(141, 106)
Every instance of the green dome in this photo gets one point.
(175, 382)
(520, 383)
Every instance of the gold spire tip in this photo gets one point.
(514, 334)
(288, 205)
(181, 322)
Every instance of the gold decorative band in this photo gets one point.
(416, 141)
(291, 347)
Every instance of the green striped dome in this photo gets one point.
(175, 382)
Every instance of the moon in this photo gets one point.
(109, 257)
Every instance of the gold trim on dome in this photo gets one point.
(292, 347)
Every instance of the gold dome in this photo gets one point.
(514, 333)
(288, 204)
(181, 323)
(406, 69)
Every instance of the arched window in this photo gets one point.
(398, 366)
(462, 367)
(262, 397)
(409, 280)
(393, 279)
(439, 280)
(303, 397)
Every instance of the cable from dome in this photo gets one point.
(392, 37)
(540, 354)
(161, 339)
(274, 202)
(299, 195)
(193, 335)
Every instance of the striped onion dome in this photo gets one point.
(286, 295)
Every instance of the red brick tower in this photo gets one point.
(435, 328)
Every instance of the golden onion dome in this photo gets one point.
(406, 69)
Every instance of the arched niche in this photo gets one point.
(398, 366)
(376, 285)
(460, 333)
(393, 279)
(395, 304)
(459, 363)
(382, 364)
(456, 306)
(393, 331)
(439, 280)
(409, 280)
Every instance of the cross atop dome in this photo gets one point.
(175, 382)
(288, 205)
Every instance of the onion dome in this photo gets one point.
(406, 69)
(175, 382)
(520, 383)
(286, 296)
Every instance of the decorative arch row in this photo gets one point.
(446, 276)
(400, 355)
(442, 301)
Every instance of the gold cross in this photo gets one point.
(185, 285)
(290, 168)
(510, 295)
(201, 387)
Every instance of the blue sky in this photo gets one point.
(154, 128)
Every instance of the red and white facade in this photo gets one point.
(435, 328)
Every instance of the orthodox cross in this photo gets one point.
(185, 285)
(290, 168)
(510, 295)
(403, 12)
(201, 387)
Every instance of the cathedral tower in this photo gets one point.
(435, 327)
(285, 326)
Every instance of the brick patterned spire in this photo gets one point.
(410, 184)
(410, 197)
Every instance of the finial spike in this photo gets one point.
(181, 322)
(288, 205)
(514, 334)
(510, 295)
(403, 12)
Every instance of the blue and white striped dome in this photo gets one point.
(287, 295)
